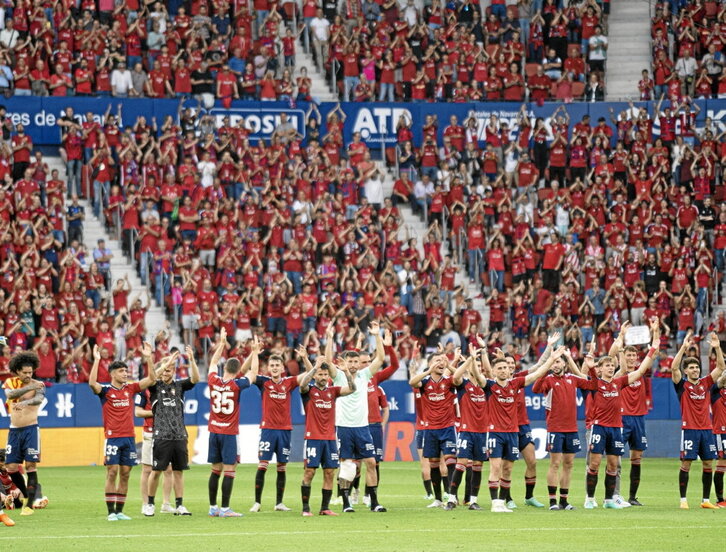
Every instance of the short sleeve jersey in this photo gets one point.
(117, 406)
(167, 403)
(503, 405)
(561, 395)
(472, 406)
(634, 399)
(377, 400)
(718, 407)
(224, 397)
(695, 403)
(438, 400)
(352, 410)
(607, 401)
(320, 409)
(276, 400)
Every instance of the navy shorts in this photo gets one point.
(563, 442)
(321, 453)
(607, 440)
(120, 451)
(222, 449)
(503, 445)
(525, 436)
(277, 442)
(472, 445)
(419, 439)
(439, 441)
(698, 442)
(634, 432)
(23, 445)
(377, 436)
(355, 443)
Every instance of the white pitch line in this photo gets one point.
(327, 531)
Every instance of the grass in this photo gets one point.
(76, 518)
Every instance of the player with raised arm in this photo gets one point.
(718, 407)
(439, 436)
(321, 447)
(351, 415)
(24, 396)
(471, 442)
(697, 439)
(224, 396)
(275, 427)
(607, 430)
(170, 433)
(563, 441)
(418, 406)
(503, 431)
(117, 404)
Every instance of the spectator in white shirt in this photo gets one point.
(374, 189)
(321, 34)
(9, 36)
(121, 81)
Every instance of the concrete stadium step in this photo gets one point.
(628, 48)
(94, 230)
(320, 89)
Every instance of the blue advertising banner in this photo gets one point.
(376, 122)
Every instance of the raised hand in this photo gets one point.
(713, 340)
(554, 338)
(96, 352)
(146, 351)
(387, 338)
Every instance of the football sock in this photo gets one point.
(683, 482)
(552, 493)
(475, 483)
(530, 482)
(718, 482)
(634, 477)
(227, 484)
(120, 502)
(356, 482)
(707, 479)
(32, 485)
(493, 489)
(610, 484)
(372, 492)
(19, 481)
(346, 498)
(564, 493)
(436, 481)
(325, 504)
(427, 487)
(340, 493)
(456, 481)
(450, 469)
(591, 482)
(213, 487)
(151, 499)
(305, 493)
(259, 484)
(281, 480)
(178, 501)
(467, 484)
(504, 489)
(111, 502)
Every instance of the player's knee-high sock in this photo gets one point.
(111, 502)
(33, 483)
(120, 502)
(493, 489)
(281, 480)
(683, 482)
(529, 483)
(467, 484)
(19, 481)
(456, 481)
(451, 468)
(372, 492)
(356, 482)
(436, 479)
(706, 479)
(427, 487)
(345, 492)
(591, 483)
(552, 493)
(564, 493)
(634, 477)
(325, 504)
(227, 484)
(213, 487)
(475, 483)
(610, 484)
(260, 480)
(305, 494)
(505, 487)
(718, 482)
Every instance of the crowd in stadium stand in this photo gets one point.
(575, 226)
(379, 50)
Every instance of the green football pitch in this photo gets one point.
(76, 518)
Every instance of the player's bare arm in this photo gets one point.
(350, 387)
(676, 364)
(148, 357)
(461, 370)
(329, 339)
(194, 372)
(19, 392)
(616, 349)
(305, 379)
(551, 340)
(416, 380)
(36, 399)
(572, 365)
(377, 361)
(542, 370)
(93, 375)
(219, 349)
(715, 344)
(648, 360)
